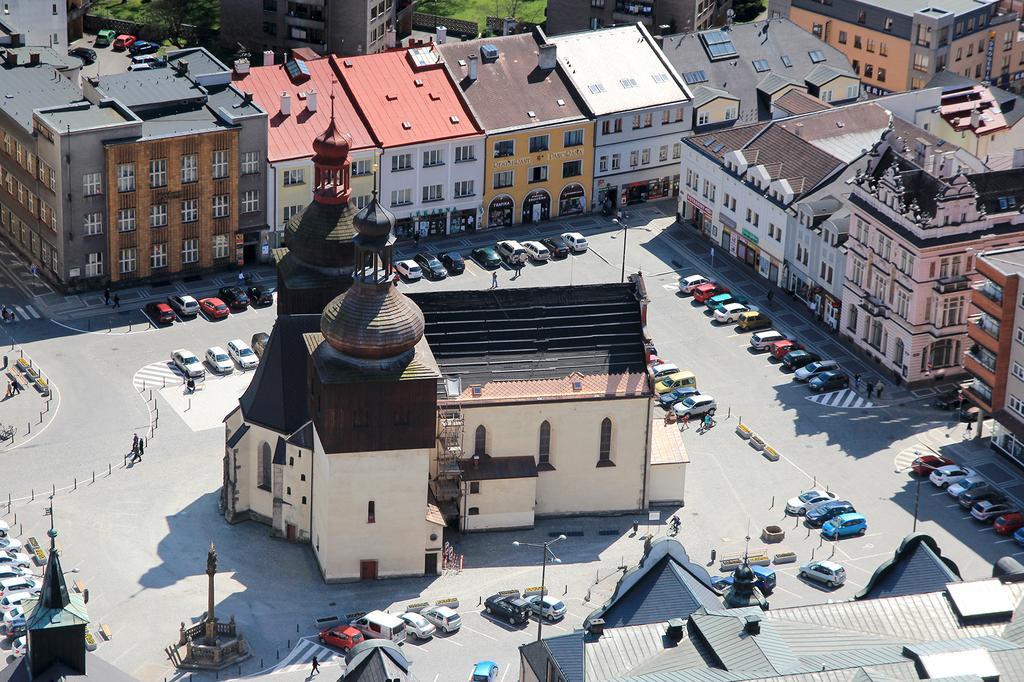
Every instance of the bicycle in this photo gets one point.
(7, 433)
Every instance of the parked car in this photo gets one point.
(214, 308)
(409, 270)
(807, 371)
(234, 297)
(576, 242)
(485, 671)
(730, 312)
(702, 293)
(19, 647)
(218, 360)
(454, 261)
(431, 266)
(557, 246)
(487, 256)
(988, 510)
(12, 599)
(9, 544)
(925, 464)
(537, 252)
(817, 517)
(948, 475)
(508, 607)
(15, 627)
(88, 56)
(143, 47)
(104, 38)
(795, 359)
(690, 282)
(7, 572)
(828, 572)
(12, 559)
(160, 313)
(660, 370)
(184, 305)
(261, 295)
(20, 583)
(343, 637)
(669, 399)
(695, 406)
(188, 363)
(752, 320)
(1008, 523)
(761, 341)
(829, 381)
(551, 608)
(950, 400)
(418, 625)
(844, 525)
(971, 497)
(144, 65)
(681, 379)
(241, 353)
(779, 349)
(512, 252)
(1018, 535)
(721, 299)
(124, 41)
(967, 484)
(446, 619)
(380, 625)
(764, 580)
(808, 500)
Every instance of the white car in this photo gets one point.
(828, 572)
(21, 583)
(418, 625)
(218, 360)
(12, 599)
(761, 340)
(690, 282)
(730, 312)
(13, 559)
(184, 305)
(10, 543)
(807, 371)
(188, 363)
(242, 354)
(19, 647)
(512, 252)
(966, 484)
(547, 607)
(444, 618)
(950, 474)
(695, 406)
(409, 269)
(14, 614)
(663, 369)
(808, 500)
(576, 242)
(8, 572)
(537, 251)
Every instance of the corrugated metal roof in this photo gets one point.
(567, 653)
(666, 591)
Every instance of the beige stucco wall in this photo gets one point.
(716, 109)
(252, 499)
(502, 503)
(837, 88)
(667, 483)
(576, 485)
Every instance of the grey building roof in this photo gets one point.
(27, 88)
(154, 89)
(567, 653)
(774, 82)
(95, 668)
(917, 567)
(200, 62)
(823, 74)
(85, 115)
(770, 40)
(702, 94)
(47, 55)
(488, 468)
(380, 660)
(900, 11)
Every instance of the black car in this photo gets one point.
(86, 54)
(143, 47)
(795, 359)
(982, 492)
(234, 297)
(557, 246)
(829, 381)
(817, 517)
(508, 607)
(487, 256)
(454, 261)
(431, 265)
(950, 400)
(261, 295)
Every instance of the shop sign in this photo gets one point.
(699, 206)
(727, 221)
(572, 192)
(501, 203)
(575, 152)
(749, 236)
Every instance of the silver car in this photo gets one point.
(828, 572)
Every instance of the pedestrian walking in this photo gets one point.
(494, 279)
(686, 422)
(636, 527)
(771, 295)
(970, 426)
(17, 386)
(117, 301)
(106, 296)
(416, 237)
(135, 442)
(878, 388)
(10, 389)
(856, 383)
(316, 667)
(142, 448)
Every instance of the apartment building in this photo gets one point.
(539, 151)
(568, 16)
(984, 120)
(345, 27)
(896, 46)
(431, 148)
(994, 357)
(299, 96)
(640, 107)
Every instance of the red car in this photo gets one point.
(1008, 523)
(925, 464)
(780, 348)
(214, 308)
(160, 313)
(343, 636)
(703, 292)
(123, 42)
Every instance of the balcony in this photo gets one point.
(979, 393)
(632, 11)
(949, 285)
(991, 291)
(987, 324)
(874, 306)
(983, 357)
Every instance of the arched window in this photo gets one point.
(898, 353)
(480, 441)
(605, 455)
(263, 474)
(544, 447)
(371, 512)
(474, 511)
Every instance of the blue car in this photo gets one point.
(817, 516)
(485, 671)
(844, 526)
(764, 580)
(1019, 537)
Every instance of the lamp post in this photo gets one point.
(917, 492)
(545, 548)
(625, 233)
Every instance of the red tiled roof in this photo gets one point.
(590, 386)
(291, 137)
(399, 111)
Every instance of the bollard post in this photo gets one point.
(108, 468)
(566, 590)
(33, 495)
(93, 475)
(76, 483)
(163, 381)
(129, 327)
(29, 429)
(261, 664)
(54, 489)
(289, 644)
(21, 529)
(296, 628)
(773, 503)
(88, 324)
(150, 394)
(41, 417)
(279, 654)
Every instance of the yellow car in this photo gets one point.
(682, 379)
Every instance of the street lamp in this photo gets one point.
(545, 547)
(625, 232)
(917, 492)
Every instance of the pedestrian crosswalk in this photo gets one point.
(24, 313)
(907, 456)
(846, 398)
(301, 657)
(156, 375)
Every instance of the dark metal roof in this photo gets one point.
(237, 435)
(567, 653)
(917, 567)
(487, 468)
(380, 661)
(95, 669)
(281, 451)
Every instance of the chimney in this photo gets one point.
(311, 100)
(659, 40)
(547, 56)
(241, 66)
(595, 627)
(507, 25)
(33, 58)
(268, 57)
(286, 104)
(799, 130)
(752, 625)
(675, 629)
(441, 35)
(11, 58)
(246, 98)
(472, 60)
(975, 117)
(390, 38)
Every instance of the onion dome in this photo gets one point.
(332, 145)
(371, 321)
(374, 223)
(321, 234)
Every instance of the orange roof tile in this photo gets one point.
(402, 103)
(291, 137)
(590, 387)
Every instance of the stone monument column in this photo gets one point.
(211, 569)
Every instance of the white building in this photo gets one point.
(641, 107)
(39, 22)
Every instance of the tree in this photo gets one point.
(747, 10)
(169, 18)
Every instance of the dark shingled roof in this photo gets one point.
(731, 139)
(487, 468)
(95, 669)
(797, 102)
(567, 653)
(237, 435)
(380, 660)
(917, 567)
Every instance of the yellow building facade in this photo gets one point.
(538, 173)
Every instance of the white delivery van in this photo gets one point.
(380, 625)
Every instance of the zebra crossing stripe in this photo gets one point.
(301, 657)
(32, 312)
(154, 374)
(843, 399)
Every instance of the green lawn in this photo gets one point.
(207, 12)
(478, 10)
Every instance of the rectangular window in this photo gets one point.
(189, 210)
(294, 176)
(125, 220)
(361, 201)
(433, 193)
(572, 138)
(703, 118)
(401, 197)
(921, 62)
(663, 153)
(158, 256)
(634, 158)
(189, 168)
(503, 179)
(221, 206)
(610, 126)
(126, 177)
(433, 157)
(504, 148)
(220, 246)
(92, 184)
(158, 173)
(677, 150)
(538, 174)
(602, 164)
(464, 188)
(645, 157)
(219, 167)
(158, 215)
(1015, 404)
(94, 264)
(842, 37)
(401, 162)
(465, 152)
(572, 169)
(616, 161)
(371, 512)
(250, 201)
(189, 251)
(538, 143)
(362, 167)
(127, 260)
(250, 163)
(93, 224)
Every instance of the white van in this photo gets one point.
(380, 625)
